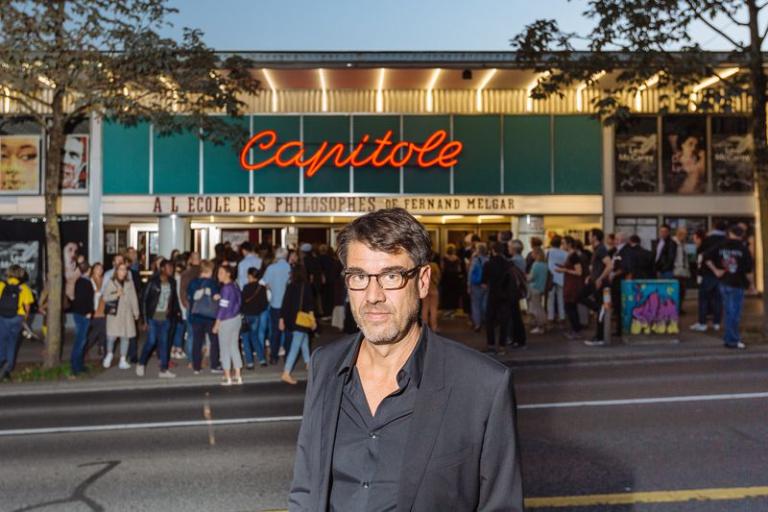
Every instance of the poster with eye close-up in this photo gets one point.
(19, 164)
(684, 154)
(732, 146)
(637, 155)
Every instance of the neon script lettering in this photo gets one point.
(434, 152)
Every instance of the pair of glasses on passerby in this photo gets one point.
(392, 279)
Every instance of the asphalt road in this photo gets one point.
(585, 430)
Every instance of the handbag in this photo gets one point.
(206, 307)
(110, 308)
(303, 318)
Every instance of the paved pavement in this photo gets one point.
(587, 428)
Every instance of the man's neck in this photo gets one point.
(389, 358)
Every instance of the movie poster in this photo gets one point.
(25, 254)
(637, 155)
(20, 164)
(732, 146)
(684, 154)
(74, 164)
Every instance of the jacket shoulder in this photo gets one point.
(467, 367)
(328, 358)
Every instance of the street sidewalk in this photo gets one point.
(550, 348)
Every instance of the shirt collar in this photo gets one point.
(413, 368)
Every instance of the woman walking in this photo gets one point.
(297, 300)
(122, 309)
(228, 324)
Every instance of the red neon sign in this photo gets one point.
(385, 153)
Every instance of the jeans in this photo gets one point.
(179, 329)
(77, 358)
(479, 298)
(97, 334)
(199, 330)
(276, 336)
(253, 339)
(299, 341)
(9, 335)
(733, 301)
(710, 301)
(190, 336)
(555, 302)
(159, 331)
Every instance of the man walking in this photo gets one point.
(731, 262)
(397, 417)
(159, 308)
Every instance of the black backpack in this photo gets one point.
(9, 300)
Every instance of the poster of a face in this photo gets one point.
(637, 155)
(74, 165)
(732, 145)
(685, 154)
(19, 164)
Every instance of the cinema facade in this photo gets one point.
(452, 137)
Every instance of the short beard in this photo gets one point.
(393, 333)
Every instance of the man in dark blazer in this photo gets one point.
(665, 251)
(397, 417)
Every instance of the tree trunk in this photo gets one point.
(759, 136)
(55, 278)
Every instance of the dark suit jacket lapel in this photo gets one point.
(427, 417)
(331, 408)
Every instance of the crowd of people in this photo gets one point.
(254, 305)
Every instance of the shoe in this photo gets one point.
(140, 370)
(286, 377)
(124, 364)
(181, 354)
(537, 330)
(217, 370)
(166, 374)
(736, 346)
(518, 346)
(716, 327)
(226, 382)
(263, 364)
(594, 343)
(107, 361)
(250, 366)
(196, 372)
(238, 381)
(698, 327)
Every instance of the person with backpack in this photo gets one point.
(477, 292)
(82, 311)
(255, 310)
(16, 299)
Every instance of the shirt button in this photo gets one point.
(366, 485)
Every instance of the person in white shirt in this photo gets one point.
(556, 258)
(250, 259)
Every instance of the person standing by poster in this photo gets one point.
(15, 302)
(731, 262)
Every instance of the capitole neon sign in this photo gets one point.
(434, 152)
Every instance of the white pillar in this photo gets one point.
(95, 189)
(529, 226)
(173, 233)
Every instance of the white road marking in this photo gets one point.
(283, 419)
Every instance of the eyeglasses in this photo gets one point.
(389, 280)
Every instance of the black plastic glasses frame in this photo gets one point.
(406, 276)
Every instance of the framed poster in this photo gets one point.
(74, 164)
(732, 146)
(20, 162)
(25, 254)
(637, 149)
(684, 154)
(234, 237)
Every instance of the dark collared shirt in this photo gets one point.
(369, 450)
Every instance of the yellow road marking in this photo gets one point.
(630, 498)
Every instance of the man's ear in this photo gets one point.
(425, 276)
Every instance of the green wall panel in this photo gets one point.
(578, 155)
(126, 158)
(479, 168)
(333, 129)
(527, 155)
(433, 180)
(273, 179)
(372, 179)
(222, 173)
(176, 163)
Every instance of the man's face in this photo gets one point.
(385, 316)
(664, 233)
(74, 149)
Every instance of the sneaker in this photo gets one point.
(181, 354)
(140, 370)
(537, 330)
(124, 365)
(107, 361)
(716, 327)
(518, 346)
(250, 366)
(217, 370)
(166, 374)
(238, 381)
(698, 327)
(736, 346)
(196, 372)
(594, 343)
(263, 364)
(226, 382)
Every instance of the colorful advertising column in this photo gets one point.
(650, 310)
